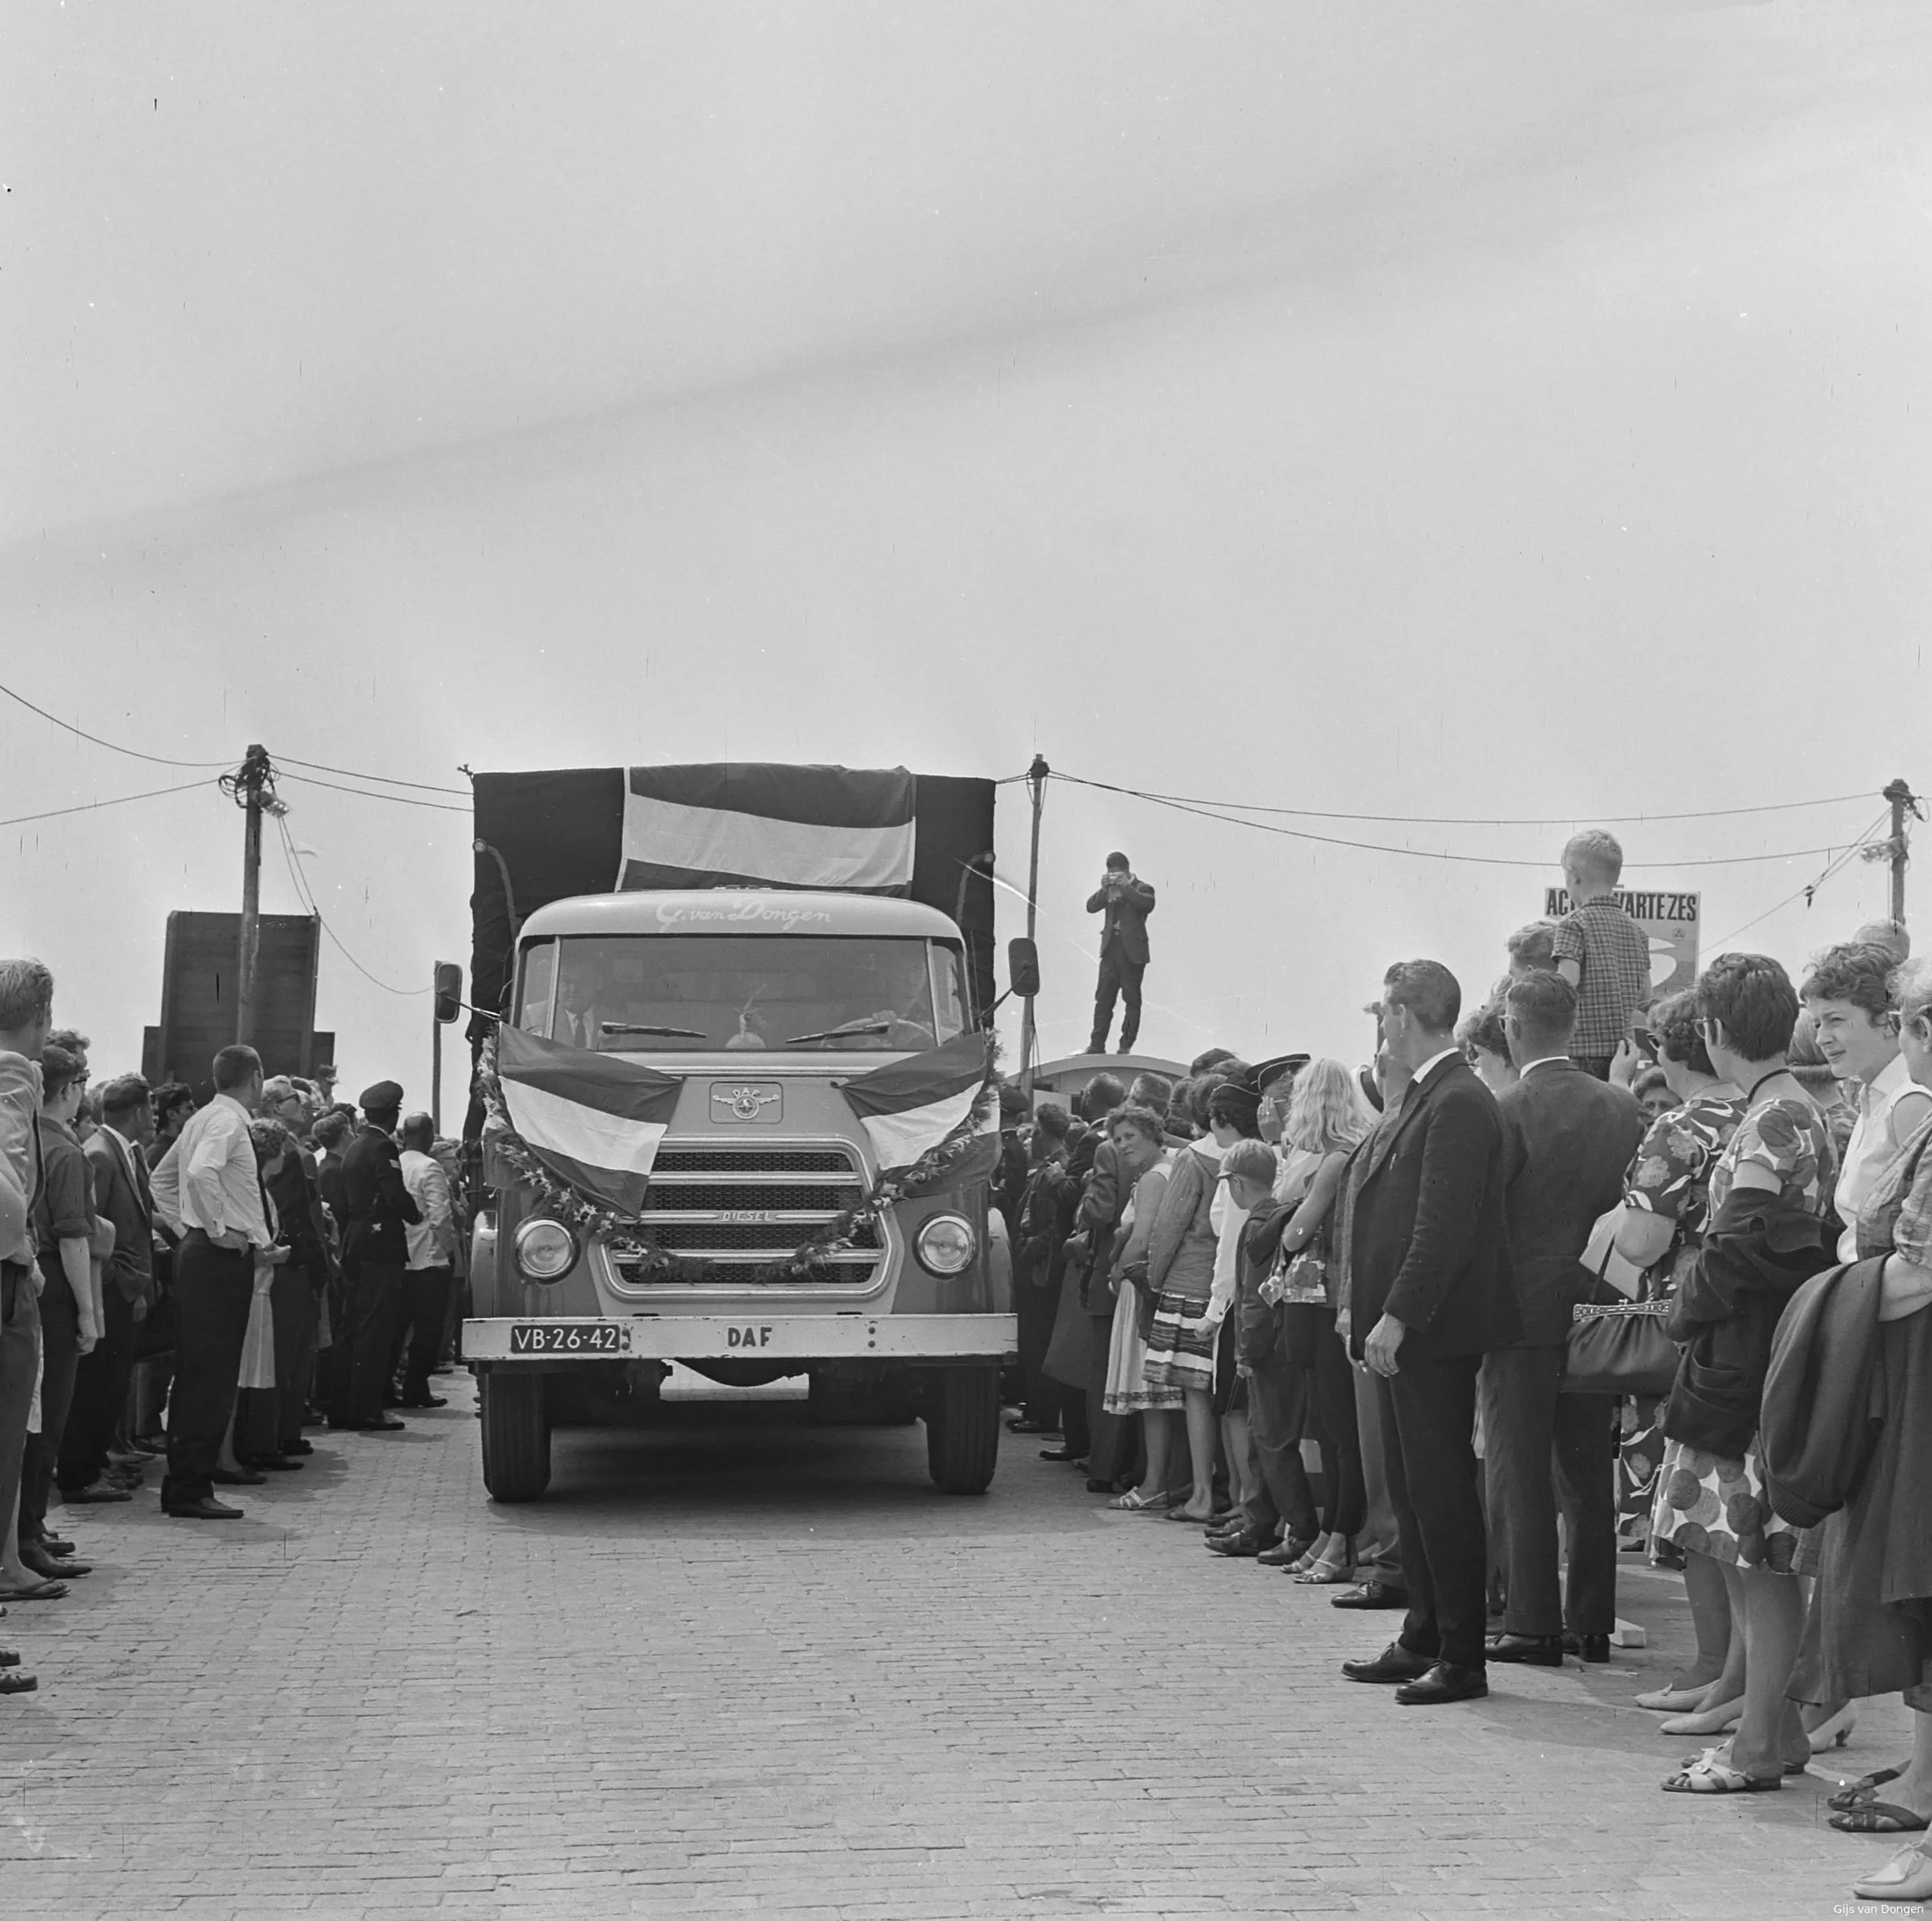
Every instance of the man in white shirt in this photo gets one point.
(224, 1219)
(432, 1260)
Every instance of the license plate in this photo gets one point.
(569, 1337)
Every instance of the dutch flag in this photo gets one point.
(908, 1108)
(594, 1120)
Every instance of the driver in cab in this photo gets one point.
(901, 1022)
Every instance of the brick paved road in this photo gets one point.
(758, 1667)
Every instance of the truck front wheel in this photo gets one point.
(962, 1429)
(515, 1434)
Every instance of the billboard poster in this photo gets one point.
(1669, 920)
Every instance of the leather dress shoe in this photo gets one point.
(293, 1448)
(1372, 1594)
(436, 1400)
(1527, 1650)
(51, 1567)
(55, 1545)
(1100, 1487)
(1244, 1544)
(95, 1491)
(1282, 1554)
(228, 1477)
(1588, 1647)
(1444, 1683)
(1046, 1453)
(384, 1426)
(1394, 1663)
(210, 1510)
(273, 1464)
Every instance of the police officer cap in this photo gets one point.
(380, 1098)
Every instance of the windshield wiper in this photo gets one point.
(856, 1027)
(632, 1026)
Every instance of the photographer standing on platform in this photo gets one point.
(1127, 902)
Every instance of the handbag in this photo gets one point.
(1620, 1349)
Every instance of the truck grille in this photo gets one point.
(737, 1207)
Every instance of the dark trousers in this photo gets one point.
(376, 1304)
(418, 1328)
(212, 1289)
(19, 1359)
(1277, 1412)
(297, 1325)
(1545, 1451)
(60, 1354)
(100, 1394)
(1331, 1380)
(1429, 1419)
(1037, 1303)
(1119, 979)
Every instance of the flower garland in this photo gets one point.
(654, 1266)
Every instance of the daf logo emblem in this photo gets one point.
(747, 1102)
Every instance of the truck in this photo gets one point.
(691, 1146)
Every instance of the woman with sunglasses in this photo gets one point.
(1770, 1191)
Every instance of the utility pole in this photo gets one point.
(1903, 798)
(252, 788)
(1036, 779)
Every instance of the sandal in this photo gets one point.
(1324, 1573)
(1707, 1775)
(1133, 1501)
(1863, 1789)
(1880, 1818)
(41, 1590)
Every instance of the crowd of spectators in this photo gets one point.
(1225, 1278)
(195, 1282)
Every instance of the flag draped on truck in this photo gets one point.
(593, 1120)
(729, 826)
(909, 1107)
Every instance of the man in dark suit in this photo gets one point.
(1127, 902)
(1568, 1139)
(1430, 1295)
(376, 1207)
(121, 1196)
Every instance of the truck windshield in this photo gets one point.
(693, 993)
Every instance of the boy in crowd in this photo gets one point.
(1599, 950)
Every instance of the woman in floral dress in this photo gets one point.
(1779, 1166)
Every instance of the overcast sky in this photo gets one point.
(1433, 409)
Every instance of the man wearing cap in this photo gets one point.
(1127, 902)
(376, 1210)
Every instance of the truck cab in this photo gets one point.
(764, 1004)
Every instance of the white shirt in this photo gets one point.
(1429, 1066)
(1547, 1060)
(432, 1241)
(1870, 1146)
(221, 1190)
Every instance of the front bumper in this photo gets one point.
(942, 1337)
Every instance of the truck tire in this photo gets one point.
(962, 1429)
(515, 1434)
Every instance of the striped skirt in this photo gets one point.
(1181, 1347)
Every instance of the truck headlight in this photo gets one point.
(546, 1249)
(946, 1244)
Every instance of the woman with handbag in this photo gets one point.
(1327, 1117)
(1869, 1630)
(1658, 1231)
(1770, 1189)
(1137, 1137)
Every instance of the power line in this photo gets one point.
(308, 900)
(112, 746)
(120, 800)
(402, 800)
(288, 760)
(1478, 860)
(1457, 820)
(1806, 893)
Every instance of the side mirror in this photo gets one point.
(1023, 967)
(449, 991)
